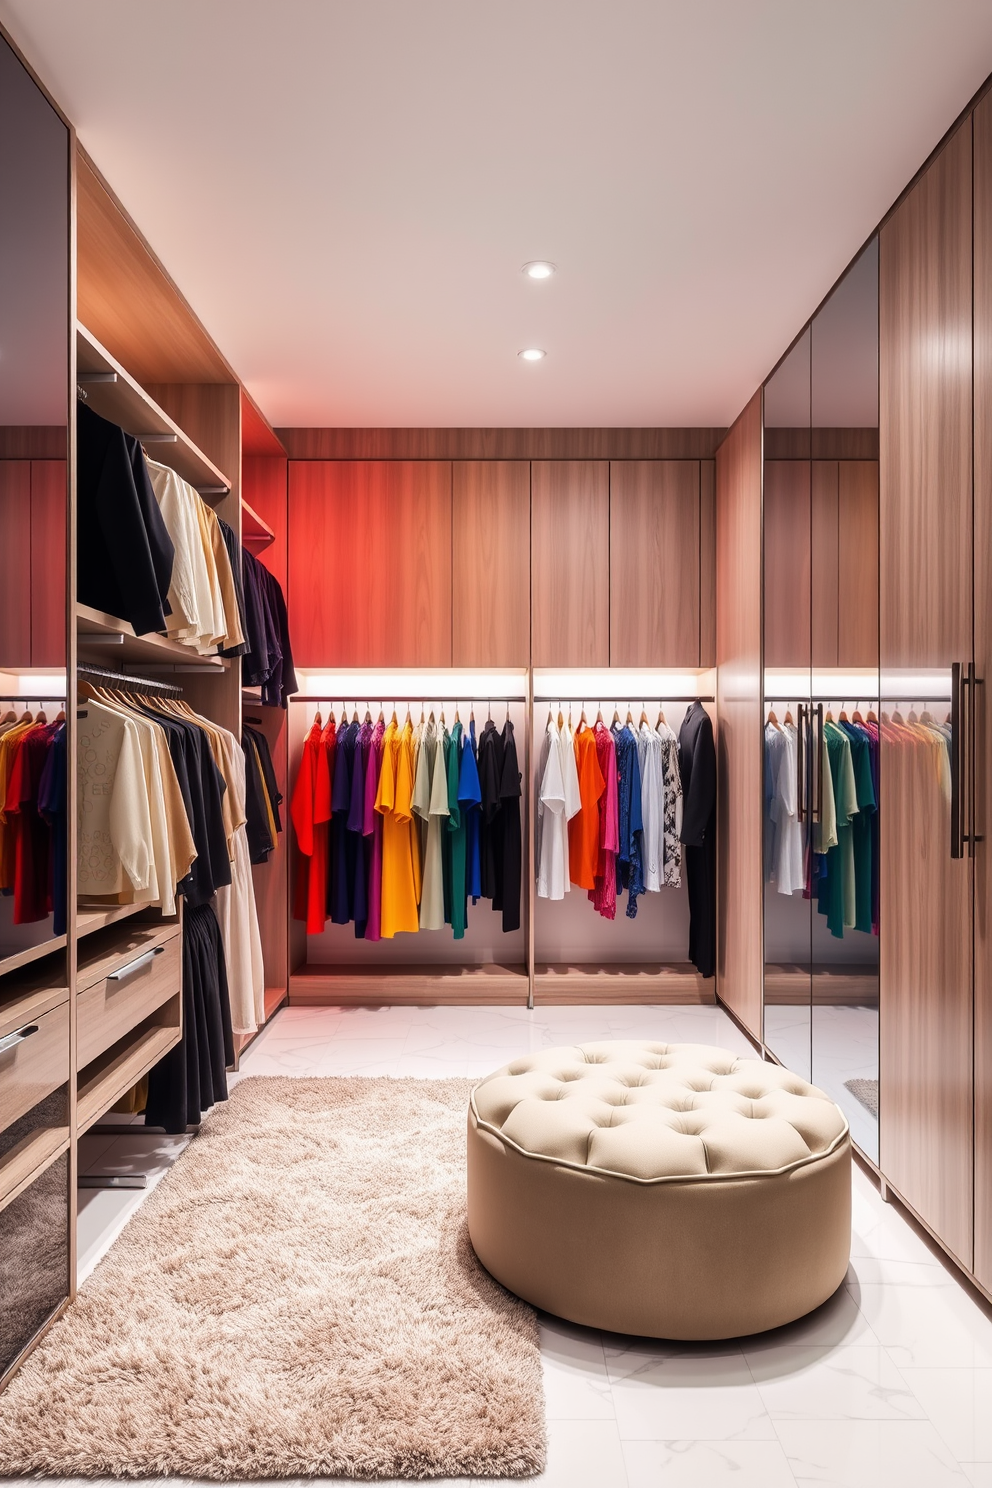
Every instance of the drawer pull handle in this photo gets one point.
(125, 971)
(13, 1039)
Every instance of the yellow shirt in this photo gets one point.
(400, 852)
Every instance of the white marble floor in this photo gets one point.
(889, 1385)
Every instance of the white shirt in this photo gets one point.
(558, 802)
(785, 846)
(651, 761)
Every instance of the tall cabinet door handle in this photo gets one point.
(957, 762)
(801, 764)
(976, 803)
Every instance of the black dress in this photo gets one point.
(509, 818)
(697, 764)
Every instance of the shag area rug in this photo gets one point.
(297, 1298)
(866, 1091)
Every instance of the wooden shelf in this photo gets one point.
(125, 402)
(322, 986)
(18, 959)
(102, 1083)
(90, 917)
(24, 1163)
(633, 982)
(788, 985)
(254, 532)
(147, 650)
(274, 999)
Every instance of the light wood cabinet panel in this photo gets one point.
(857, 559)
(983, 664)
(48, 545)
(739, 737)
(370, 563)
(925, 504)
(787, 563)
(825, 558)
(15, 546)
(707, 563)
(654, 563)
(570, 548)
(490, 563)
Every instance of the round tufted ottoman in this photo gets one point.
(670, 1190)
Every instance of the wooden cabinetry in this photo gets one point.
(490, 563)
(570, 553)
(370, 563)
(926, 602)
(654, 563)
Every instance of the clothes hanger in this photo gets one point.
(828, 717)
(773, 720)
(788, 716)
(616, 716)
(382, 716)
(644, 716)
(913, 716)
(457, 719)
(843, 714)
(561, 720)
(856, 716)
(630, 717)
(507, 719)
(442, 717)
(872, 716)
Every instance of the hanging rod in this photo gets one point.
(128, 683)
(633, 697)
(414, 697)
(31, 697)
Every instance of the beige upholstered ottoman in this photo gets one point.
(670, 1190)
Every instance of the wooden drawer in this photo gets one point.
(142, 974)
(34, 1062)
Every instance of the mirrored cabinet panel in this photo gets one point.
(821, 687)
(34, 389)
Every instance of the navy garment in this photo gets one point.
(344, 844)
(124, 554)
(268, 660)
(509, 820)
(193, 1075)
(630, 857)
(202, 787)
(260, 782)
(697, 765)
(490, 835)
(359, 846)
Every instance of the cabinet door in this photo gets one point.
(857, 555)
(48, 542)
(15, 545)
(570, 545)
(983, 663)
(370, 563)
(926, 546)
(490, 563)
(654, 563)
(787, 564)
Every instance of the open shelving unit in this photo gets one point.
(98, 633)
(115, 395)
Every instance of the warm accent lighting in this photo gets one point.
(539, 269)
(532, 354)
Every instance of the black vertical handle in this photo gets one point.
(957, 795)
(801, 762)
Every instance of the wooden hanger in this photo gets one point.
(382, 716)
(644, 717)
(661, 719)
(773, 720)
(843, 714)
(9, 717)
(561, 720)
(828, 717)
(317, 719)
(872, 717)
(788, 717)
(856, 716)
(630, 716)
(616, 717)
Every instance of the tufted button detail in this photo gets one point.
(652, 1111)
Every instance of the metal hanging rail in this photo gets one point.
(414, 697)
(634, 697)
(127, 683)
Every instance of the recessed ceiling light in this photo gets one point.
(540, 268)
(532, 354)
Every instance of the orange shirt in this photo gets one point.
(400, 841)
(583, 829)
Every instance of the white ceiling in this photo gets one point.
(346, 191)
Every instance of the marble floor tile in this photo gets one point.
(582, 1454)
(699, 1394)
(576, 1384)
(928, 1327)
(799, 1382)
(868, 1454)
(978, 1474)
(840, 1320)
(707, 1464)
(959, 1403)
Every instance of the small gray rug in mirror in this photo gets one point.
(297, 1298)
(866, 1091)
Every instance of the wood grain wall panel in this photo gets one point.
(264, 481)
(654, 563)
(707, 563)
(824, 547)
(570, 554)
(739, 705)
(501, 444)
(15, 555)
(370, 563)
(983, 664)
(787, 563)
(857, 560)
(925, 502)
(126, 297)
(49, 496)
(33, 442)
(925, 386)
(490, 563)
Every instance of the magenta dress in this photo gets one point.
(372, 827)
(604, 895)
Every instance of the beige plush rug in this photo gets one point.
(298, 1297)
